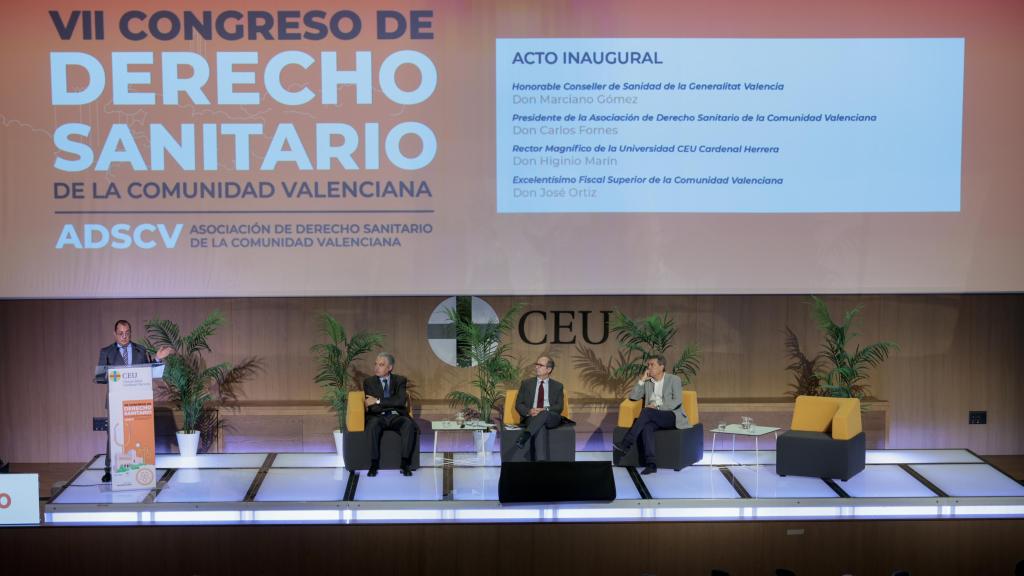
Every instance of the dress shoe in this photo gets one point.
(523, 438)
(406, 470)
(106, 476)
(373, 469)
(649, 469)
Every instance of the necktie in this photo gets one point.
(124, 356)
(540, 394)
(384, 383)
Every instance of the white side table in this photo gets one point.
(738, 430)
(439, 426)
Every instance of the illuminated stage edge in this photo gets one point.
(311, 488)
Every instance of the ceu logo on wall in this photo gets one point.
(441, 329)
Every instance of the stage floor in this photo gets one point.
(308, 487)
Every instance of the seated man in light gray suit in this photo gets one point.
(540, 401)
(663, 409)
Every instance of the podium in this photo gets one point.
(132, 446)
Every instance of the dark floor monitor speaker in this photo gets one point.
(556, 482)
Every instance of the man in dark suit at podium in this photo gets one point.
(540, 401)
(387, 408)
(123, 352)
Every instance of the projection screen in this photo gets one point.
(529, 147)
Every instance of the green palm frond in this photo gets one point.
(195, 341)
(462, 399)
(840, 373)
(873, 354)
(642, 339)
(332, 329)
(190, 383)
(162, 334)
(491, 356)
(334, 360)
(337, 399)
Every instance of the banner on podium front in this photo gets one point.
(132, 441)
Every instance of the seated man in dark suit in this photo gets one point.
(540, 401)
(123, 352)
(387, 409)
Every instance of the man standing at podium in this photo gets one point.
(123, 352)
(540, 401)
(387, 408)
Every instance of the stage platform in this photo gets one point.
(312, 488)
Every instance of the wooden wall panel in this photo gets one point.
(976, 546)
(958, 353)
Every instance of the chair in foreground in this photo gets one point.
(553, 445)
(673, 448)
(826, 439)
(356, 442)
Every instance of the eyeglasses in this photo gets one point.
(542, 365)
(128, 333)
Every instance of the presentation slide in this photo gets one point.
(201, 149)
(729, 125)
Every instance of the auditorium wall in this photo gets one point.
(957, 353)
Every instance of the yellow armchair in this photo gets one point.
(825, 439)
(355, 415)
(840, 416)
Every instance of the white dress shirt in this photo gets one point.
(656, 395)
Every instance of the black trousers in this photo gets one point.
(546, 419)
(376, 425)
(106, 449)
(650, 420)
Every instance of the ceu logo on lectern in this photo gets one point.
(441, 329)
(114, 377)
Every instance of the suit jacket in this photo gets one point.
(398, 400)
(111, 356)
(671, 397)
(527, 390)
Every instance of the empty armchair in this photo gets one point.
(356, 442)
(826, 439)
(554, 445)
(673, 448)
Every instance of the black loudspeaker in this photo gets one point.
(556, 482)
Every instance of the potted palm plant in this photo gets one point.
(842, 372)
(641, 339)
(191, 383)
(334, 361)
(486, 350)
